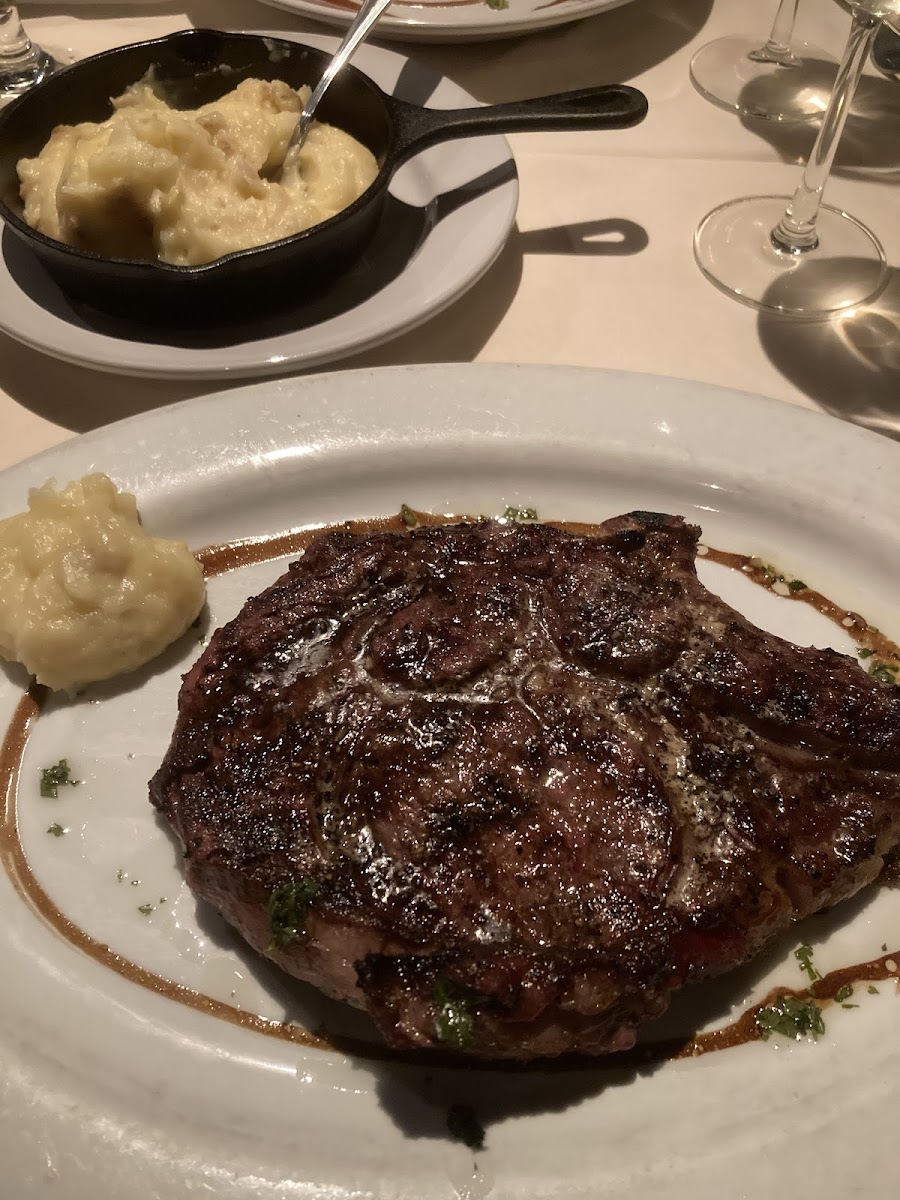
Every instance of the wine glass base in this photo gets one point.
(724, 73)
(734, 250)
(17, 78)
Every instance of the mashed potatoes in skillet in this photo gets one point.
(187, 186)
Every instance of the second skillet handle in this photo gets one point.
(613, 106)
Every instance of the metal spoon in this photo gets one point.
(369, 12)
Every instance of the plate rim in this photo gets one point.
(495, 26)
(816, 418)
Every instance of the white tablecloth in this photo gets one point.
(551, 298)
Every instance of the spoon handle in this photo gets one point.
(369, 12)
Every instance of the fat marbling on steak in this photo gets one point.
(508, 787)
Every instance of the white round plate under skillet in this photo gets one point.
(454, 20)
(111, 1090)
(449, 213)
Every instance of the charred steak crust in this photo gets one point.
(522, 783)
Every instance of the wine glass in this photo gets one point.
(795, 255)
(22, 63)
(784, 80)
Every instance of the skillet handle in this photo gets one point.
(613, 106)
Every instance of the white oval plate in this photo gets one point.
(454, 20)
(449, 213)
(109, 1090)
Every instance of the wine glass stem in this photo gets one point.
(778, 48)
(15, 43)
(796, 231)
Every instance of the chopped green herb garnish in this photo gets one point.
(803, 955)
(849, 1006)
(797, 585)
(769, 572)
(465, 1127)
(57, 830)
(512, 513)
(53, 778)
(843, 993)
(455, 1023)
(884, 947)
(410, 520)
(864, 652)
(287, 908)
(146, 909)
(791, 1017)
(884, 672)
(497, 4)
(872, 990)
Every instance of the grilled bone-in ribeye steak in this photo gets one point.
(509, 787)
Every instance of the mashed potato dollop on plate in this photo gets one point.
(85, 593)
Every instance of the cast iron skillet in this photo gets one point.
(197, 66)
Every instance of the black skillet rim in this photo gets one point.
(173, 270)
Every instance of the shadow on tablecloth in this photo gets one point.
(467, 326)
(80, 399)
(849, 365)
(614, 46)
(611, 237)
(869, 147)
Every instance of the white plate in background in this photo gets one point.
(454, 20)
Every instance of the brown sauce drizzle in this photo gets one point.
(27, 885)
(769, 577)
(823, 991)
(217, 560)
